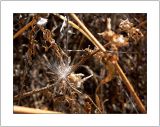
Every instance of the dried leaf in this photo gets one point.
(111, 70)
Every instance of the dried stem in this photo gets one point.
(95, 41)
(24, 28)
(120, 72)
(36, 91)
(130, 88)
(26, 110)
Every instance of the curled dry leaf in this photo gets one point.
(111, 70)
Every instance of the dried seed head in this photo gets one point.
(63, 69)
(59, 68)
(132, 32)
(125, 25)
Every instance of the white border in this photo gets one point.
(149, 7)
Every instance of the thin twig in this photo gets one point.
(121, 73)
(36, 91)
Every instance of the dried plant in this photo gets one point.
(56, 73)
